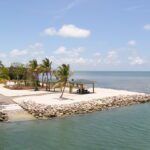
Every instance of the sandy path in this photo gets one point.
(13, 110)
(16, 93)
(4, 100)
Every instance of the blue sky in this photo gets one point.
(87, 34)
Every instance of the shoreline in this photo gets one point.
(45, 112)
(30, 105)
(14, 113)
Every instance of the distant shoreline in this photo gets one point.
(110, 71)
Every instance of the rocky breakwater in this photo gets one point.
(49, 111)
(3, 117)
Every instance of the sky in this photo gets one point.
(87, 34)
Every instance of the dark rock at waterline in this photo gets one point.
(3, 117)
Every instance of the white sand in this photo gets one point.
(16, 113)
(8, 92)
(11, 107)
(53, 98)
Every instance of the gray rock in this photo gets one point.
(41, 111)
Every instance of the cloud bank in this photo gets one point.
(68, 31)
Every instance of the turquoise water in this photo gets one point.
(126, 128)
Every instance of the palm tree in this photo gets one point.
(42, 71)
(63, 74)
(55, 73)
(47, 66)
(34, 68)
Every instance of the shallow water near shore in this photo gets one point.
(126, 128)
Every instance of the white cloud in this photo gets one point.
(50, 31)
(68, 31)
(136, 60)
(97, 54)
(32, 50)
(74, 52)
(17, 52)
(36, 49)
(132, 43)
(61, 50)
(112, 58)
(96, 59)
(73, 31)
(66, 55)
(147, 27)
(74, 57)
(3, 55)
(81, 60)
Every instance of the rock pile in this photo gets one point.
(44, 111)
(3, 116)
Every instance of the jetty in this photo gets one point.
(19, 105)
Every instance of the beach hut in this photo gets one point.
(80, 83)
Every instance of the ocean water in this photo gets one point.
(125, 80)
(126, 128)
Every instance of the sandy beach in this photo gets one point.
(13, 110)
(12, 93)
(53, 98)
(22, 104)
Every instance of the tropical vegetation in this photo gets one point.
(34, 74)
(63, 74)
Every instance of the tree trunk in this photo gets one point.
(46, 81)
(63, 89)
(50, 75)
(36, 82)
(25, 83)
(42, 79)
(50, 79)
(47, 76)
(17, 80)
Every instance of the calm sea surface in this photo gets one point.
(126, 128)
